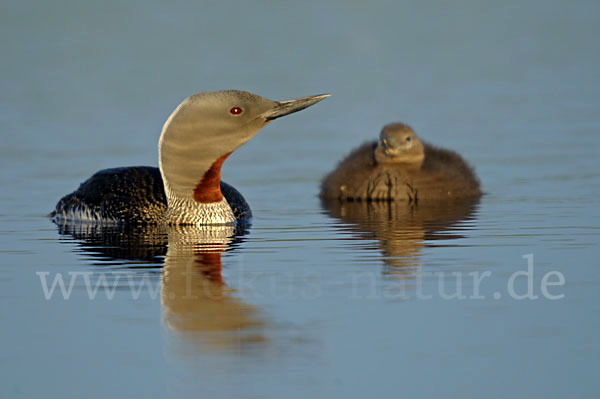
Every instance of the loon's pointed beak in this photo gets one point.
(287, 107)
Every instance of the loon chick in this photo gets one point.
(400, 167)
(186, 189)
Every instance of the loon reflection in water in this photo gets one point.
(195, 298)
(194, 295)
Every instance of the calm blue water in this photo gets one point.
(312, 300)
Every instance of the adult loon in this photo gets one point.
(186, 189)
(400, 167)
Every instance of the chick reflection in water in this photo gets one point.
(402, 230)
(196, 301)
(195, 297)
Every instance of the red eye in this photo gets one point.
(235, 110)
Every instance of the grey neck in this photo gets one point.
(184, 156)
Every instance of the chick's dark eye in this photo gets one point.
(408, 139)
(235, 110)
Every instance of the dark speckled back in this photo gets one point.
(131, 195)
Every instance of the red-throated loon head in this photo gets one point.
(204, 130)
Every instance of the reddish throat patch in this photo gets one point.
(209, 188)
